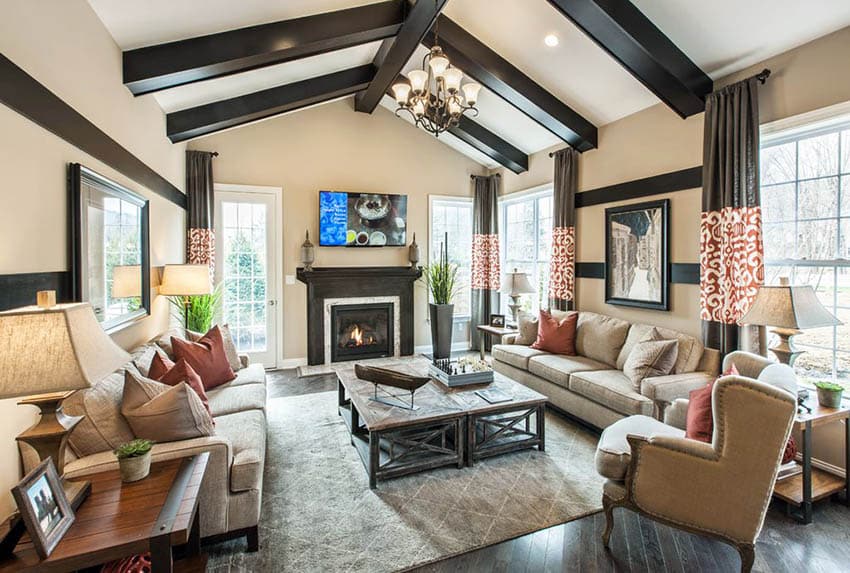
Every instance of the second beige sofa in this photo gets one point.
(592, 385)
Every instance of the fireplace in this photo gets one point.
(359, 331)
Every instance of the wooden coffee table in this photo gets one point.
(124, 519)
(450, 426)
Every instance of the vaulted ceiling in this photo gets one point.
(614, 58)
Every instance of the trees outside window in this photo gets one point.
(452, 217)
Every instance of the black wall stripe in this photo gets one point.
(666, 183)
(24, 94)
(19, 289)
(680, 273)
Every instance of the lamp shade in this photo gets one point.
(185, 280)
(127, 281)
(786, 306)
(44, 350)
(517, 283)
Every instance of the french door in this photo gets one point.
(247, 268)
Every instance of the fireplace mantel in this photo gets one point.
(342, 282)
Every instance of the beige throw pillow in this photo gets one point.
(229, 346)
(527, 329)
(652, 356)
(163, 413)
(103, 428)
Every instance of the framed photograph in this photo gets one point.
(497, 320)
(43, 506)
(636, 255)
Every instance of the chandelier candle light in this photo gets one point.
(435, 97)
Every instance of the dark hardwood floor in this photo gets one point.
(639, 544)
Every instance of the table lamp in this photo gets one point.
(516, 284)
(127, 281)
(789, 310)
(186, 281)
(47, 353)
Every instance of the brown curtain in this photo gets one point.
(731, 248)
(200, 240)
(485, 276)
(562, 265)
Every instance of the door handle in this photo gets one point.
(272, 302)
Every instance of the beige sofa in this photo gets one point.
(233, 485)
(592, 386)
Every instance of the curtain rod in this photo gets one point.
(762, 75)
(493, 175)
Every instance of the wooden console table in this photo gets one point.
(123, 519)
(814, 484)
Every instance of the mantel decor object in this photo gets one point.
(393, 379)
(516, 284)
(789, 310)
(308, 253)
(413, 254)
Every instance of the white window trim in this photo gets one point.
(463, 318)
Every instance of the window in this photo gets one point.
(451, 217)
(805, 195)
(526, 236)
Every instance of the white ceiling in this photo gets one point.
(721, 36)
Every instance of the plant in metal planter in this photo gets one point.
(134, 459)
(441, 280)
(829, 394)
(202, 310)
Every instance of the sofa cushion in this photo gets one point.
(164, 341)
(613, 452)
(142, 357)
(652, 356)
(163, 413)
(103, 428)
(207, 357)
(228, 399)
(526, 329)
(164, 370)
(246, 432)
(554, 335)
(514, 354)
(612, 389)
(229, 345)
(600, 337)
(689, 349)
(251, 374)
(557, 369)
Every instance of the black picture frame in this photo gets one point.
(79, 175)
(497, 320)
(616, 270)
(37, 507)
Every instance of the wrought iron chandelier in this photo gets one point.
(435, 97)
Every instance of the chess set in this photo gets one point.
(460, 371)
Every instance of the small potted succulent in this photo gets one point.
(829, 394)
(134, 460)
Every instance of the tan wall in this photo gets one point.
(331, 147)
(657, 141)
(80, 63)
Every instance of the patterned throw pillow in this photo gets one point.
(652, 356)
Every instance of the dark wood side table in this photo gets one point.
(124, 519)
(814, 484)
(487, 330)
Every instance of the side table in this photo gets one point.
(487, 330)
(123, 519)
(814, 484)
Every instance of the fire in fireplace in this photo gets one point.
(361, 331)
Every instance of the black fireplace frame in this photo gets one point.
(382, 306)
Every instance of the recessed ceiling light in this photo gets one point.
(551, 40)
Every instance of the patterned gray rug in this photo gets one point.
(318, 513)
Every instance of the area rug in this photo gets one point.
(318, 513)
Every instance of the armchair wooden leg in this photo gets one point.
(608, 505)
(253, 538)
(748, 557)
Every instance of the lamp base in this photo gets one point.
(49, 436)
(514, 306)
(785, 350)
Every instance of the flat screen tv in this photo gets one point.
(362, 219)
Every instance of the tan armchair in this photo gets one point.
(721, 489)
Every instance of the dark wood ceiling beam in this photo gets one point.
(164, 66)
(622, 30)
(395, 52)
(206, 119)
(499, 76)
(485, 141)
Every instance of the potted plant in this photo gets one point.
(441, 280)
(201, 310)
(134, 460)
(829, 394)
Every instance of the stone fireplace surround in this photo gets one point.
(327, 286)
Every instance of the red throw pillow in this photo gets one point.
(206, 357)
(699, 423)
(554, 336)
(165, 371)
